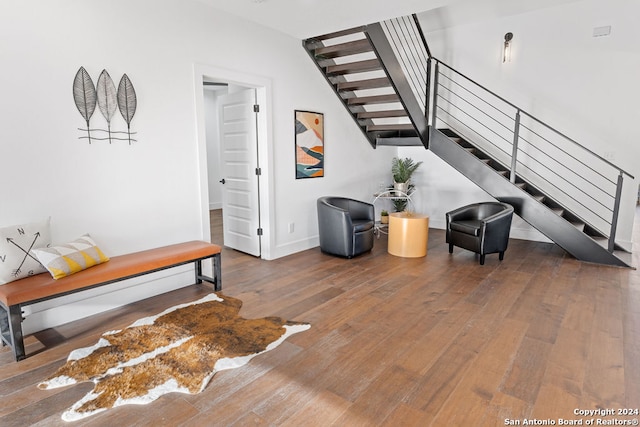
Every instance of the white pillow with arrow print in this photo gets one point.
(17, 260)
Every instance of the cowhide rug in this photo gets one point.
(178, 350)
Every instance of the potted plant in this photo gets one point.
(384, 217)
(402, 169)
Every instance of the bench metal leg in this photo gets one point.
(217, 268)
(198, 266)
(217, 272)
(11, 329)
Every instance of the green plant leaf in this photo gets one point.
(403, 168)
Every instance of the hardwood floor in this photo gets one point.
(438, 341)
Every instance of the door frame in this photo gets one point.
(265, 153)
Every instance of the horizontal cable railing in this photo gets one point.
(572, 176)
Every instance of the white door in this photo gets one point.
(239, 149)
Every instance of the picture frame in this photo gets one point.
(309, 144)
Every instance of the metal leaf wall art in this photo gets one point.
(108, 100)
(84, 94)
(127, 101)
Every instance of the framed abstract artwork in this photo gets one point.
(309, 128)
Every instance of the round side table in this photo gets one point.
(408, 234)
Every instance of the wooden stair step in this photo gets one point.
(375, 99)
(390, 127)
(343, 49)
(602, 241)
(578, 225)
(353, 67)
(340, 33)
(557, 211)
(521, 185)
(364, 84)
(400, 141)
(381, 114)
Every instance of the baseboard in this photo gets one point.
(294, 247)
(215, 206)
(312, 242)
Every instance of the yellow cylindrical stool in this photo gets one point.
(408, 234)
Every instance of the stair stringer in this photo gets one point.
(539, 216)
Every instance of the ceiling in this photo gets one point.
(307, 18)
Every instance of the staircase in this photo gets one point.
(376, 93)
(400, 95)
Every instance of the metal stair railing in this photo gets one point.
(413, 55)
(576, 178)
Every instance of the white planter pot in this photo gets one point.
(402, 188)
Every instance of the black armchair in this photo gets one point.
(480, 227)
(345, 226)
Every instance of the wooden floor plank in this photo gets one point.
(472, 396)
(322, 409)
(525, 376)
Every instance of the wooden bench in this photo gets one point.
(42, 287)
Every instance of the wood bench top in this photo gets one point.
(43, 285)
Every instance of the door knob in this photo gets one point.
(222, 180)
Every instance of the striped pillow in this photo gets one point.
(64, 260)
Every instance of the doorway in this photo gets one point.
(212, 167)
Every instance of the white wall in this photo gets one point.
(149, 194)
(583, 86)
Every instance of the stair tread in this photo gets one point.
(344, 49)
(412, 141)
(381, 114)
(353, 67)
(339, 33)
(375, 99)
(390, 127)
(364, 84)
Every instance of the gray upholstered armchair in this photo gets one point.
(345, 226)
(480, 227)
